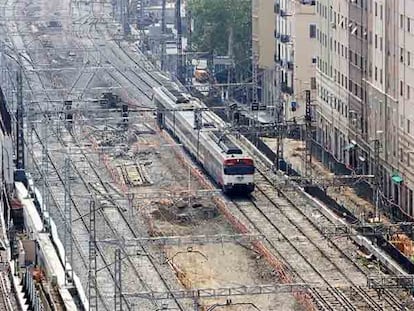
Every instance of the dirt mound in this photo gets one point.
(186, 212)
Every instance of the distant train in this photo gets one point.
(200, 132)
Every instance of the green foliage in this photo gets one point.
(213, 22)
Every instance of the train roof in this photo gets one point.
(213, 128)
(225, 143)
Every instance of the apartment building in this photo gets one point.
(404, 24)
(296, 51)
(263, 29)
(364, 80)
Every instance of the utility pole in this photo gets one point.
(198, 125)
(163, 34)
(124, 17)
(20, 123)
(45, 171)
(254, 104)
(280, 118)
(68, 225)
(229, 68)
(280, 128)
(179, 41)
(309, 136)
(377, 178)
(188, 57)
(118, 281)
(92, 288)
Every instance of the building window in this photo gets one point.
(312, 30)
(408, 91)
(408, 24)
(401, 21)
(402, 55)
(380, 43)
(408, 126)
(401, 88)
(376, 73)
(313, 83)
(376, 9)
(408, 58)
(376, 41)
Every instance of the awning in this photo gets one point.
(397, 179)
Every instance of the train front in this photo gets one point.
(238, 175)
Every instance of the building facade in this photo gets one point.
(296, 53)
(364, 84)
(263, 46)
(404, 24)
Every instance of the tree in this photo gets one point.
(214, 21)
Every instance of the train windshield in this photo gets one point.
(239, 170)
(238, 167)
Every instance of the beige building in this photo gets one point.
(263, 25)
(360, 54)
(296, 51)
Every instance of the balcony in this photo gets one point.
(308, 2)
(286, 89)
(283, 13)
(284, 38)
(277, 8)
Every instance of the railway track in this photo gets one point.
(326, 271)
(123, 230)
(5, 301)
(105, 261)
(127, 74)
(103, 192)
(317, 219)
(296, 237)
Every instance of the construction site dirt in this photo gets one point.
(200, 265)
(213, 265)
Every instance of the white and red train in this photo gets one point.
(201, 132)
